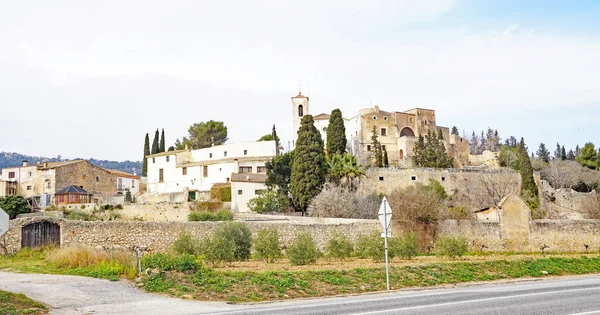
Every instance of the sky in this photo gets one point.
(88, 79)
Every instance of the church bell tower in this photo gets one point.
(299, 109)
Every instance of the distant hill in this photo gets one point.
(10, 159)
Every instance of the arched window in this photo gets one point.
(300, 111)
(401, 154)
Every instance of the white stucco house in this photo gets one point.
(198, 170)
(245, 187)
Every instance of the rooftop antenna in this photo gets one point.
(299, 87)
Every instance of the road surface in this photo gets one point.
(79, 295)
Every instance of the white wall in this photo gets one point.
(132, 184)
(25, 177)
(239, 202)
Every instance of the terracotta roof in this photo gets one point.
(248, 177)
(122, 174)
(166, 153)
(322, 117)
(57, 164)
(73, 190)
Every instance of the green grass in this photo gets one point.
(12, 304)
(249, 286)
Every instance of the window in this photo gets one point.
(28, 187)
(97, 178)
(374, 117)
(205, 171)
(383, 147)
(443, 179)
(133, 183)
(161, 175)
(384, 118)
(153, 160)
(381, 178)
(11, 174)
(261, 169)
(225, 154)
(168, 158)
(413, 178)
(368, 148)
(184, 171)
(60, 198)
(383, 132)
(72, 198)
(239, 192)
(245, 169)
(245, 152)
(30, 174)
(210, 155)
(300, 111)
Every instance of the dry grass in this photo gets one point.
(79, 257)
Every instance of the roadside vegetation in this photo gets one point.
(17, 304)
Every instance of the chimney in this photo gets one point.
(25, 163)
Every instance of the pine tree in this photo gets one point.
(308, 173)
(563, 153)
(161, 147)
(497, 141)
(529, 189)
(419, 152)
(336, 134)
(482, 143)
(146, 153)
(474, 144)
(386, 162)
(155, 145)
(455, 131)
(571, 155)
(543, 153)
(557, 151)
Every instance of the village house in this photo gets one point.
(245, 187)
(194, 172)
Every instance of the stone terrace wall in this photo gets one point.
(159, 236)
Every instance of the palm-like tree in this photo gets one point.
(344, 170)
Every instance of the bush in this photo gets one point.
(405, 246)
(339, 247)
(241, 235)
(268, 201)
(416, 204)
(338, 202)
(458, 213)
(221, 192)
(167, 262)
(266, 244)
(303, 250)
(185, 244)
(371, 246)
(209, 206)
(80, 216)
(217, 248)
(14, 205)
(223, 215)
(451, 246)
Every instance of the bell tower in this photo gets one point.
(299, 109)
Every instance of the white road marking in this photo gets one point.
(475, 301)
(588, 313)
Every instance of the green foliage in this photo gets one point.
(434, 186)
(14, 205)
(420, 203)
(339, 247)
(268, 201)
(185, 244)
(543, 153)
(208, 205)
(455, 131)
(268, 137)
(336, 134)
(386, 161)
(451, 246)
(128, 197)
(370, 246)
(16, 304)
(217, 248)
(166, 262)
(377, 155)
(161, 145)
(155, 143)
(509, 157)
(431, 152)
(303, 250)
(221, 192)
(344, 170)
(279, 173)
(222, 215)
(266, 244)
(146, 153)
(308, 174)
(459, 213)
(204, 135)
(529, 189)
(80, 216)
(588, 157)
(405, 246)
(241, 236)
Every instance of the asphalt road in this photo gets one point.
(80, 295)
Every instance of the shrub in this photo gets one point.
(221, 192)
(209, 206)
(303, 250)
(338, 202)
(268, 201)
(416, 204)
(217, 248)
(371, 246)
(223, 215)
(80, 216)
(185, 244)
(405, 246)
(458, 213)
(339, 247)
(451, 246)
(14, 205)
(167, 262)
(266, 244)
(241, 235)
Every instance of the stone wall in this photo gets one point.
(92, 178)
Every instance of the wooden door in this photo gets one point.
(40, 233)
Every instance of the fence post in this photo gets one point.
(139, 260)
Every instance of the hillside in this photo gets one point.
(8, 159)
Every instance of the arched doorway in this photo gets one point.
(401, 154)
(38, 234)
(406, 132)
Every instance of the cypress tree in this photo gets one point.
(563, 153)
(386, 162)
(543, 153)
(146, 153)
(155, 145)
(419, 152)
(528, 186)
(161, 147)
(376, 148)
(336, 134)
(274, 135)
(308, 174)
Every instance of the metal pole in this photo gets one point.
(387, 264)
(139, 260)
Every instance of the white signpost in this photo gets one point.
(385, 217)
(3, 222)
